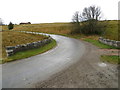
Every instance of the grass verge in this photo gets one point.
(92, 39)
(29, 53)
(98, 44)
(111, 59)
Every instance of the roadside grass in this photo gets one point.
(111, 59)
(29, 53)
(76, 36)
(99, 44)
(1, 61)
(92, 39)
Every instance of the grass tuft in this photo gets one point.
(111, 59)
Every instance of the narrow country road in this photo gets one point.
(88, 72)
(27, 72)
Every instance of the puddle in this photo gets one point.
(102, 64)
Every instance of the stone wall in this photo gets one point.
(11, 50)
(110, 42)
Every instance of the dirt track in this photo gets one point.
(89, 72)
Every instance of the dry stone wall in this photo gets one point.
(11, 50)
(110, 42)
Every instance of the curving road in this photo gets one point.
(27, 72)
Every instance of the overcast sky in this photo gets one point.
(47, 11)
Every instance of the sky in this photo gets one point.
(49, 11)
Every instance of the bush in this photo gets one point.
(10, 26)
(92, 27)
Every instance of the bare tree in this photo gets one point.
(91, 15)
(76, 23)
(90, 20)
(91, 12)
(76, 18)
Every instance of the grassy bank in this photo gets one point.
(10, 38)
(111, 59)
(92, 39)
(29, 53)
(99, 44)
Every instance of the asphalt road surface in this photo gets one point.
(88, 72)
(27, 72)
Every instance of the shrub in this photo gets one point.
(10, 26)
(93, 27)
